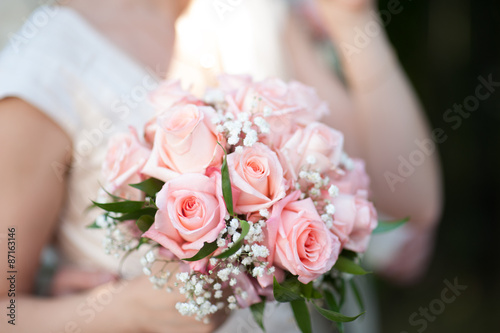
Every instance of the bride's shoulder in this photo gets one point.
(50, 33)
(42, 61)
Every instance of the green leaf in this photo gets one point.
(316, 294)
(334, 306)
(349, 254)
(144, 222)
(341, 290)
(335, 316)
(227, 191)
(330, 301)
(120, 207)
(285, 294)
(307, 290)
(258, 313)
(385, 226)
(357, 295)
(245, 228)
(302, 317)
(150, 186)
(93, 226)
(346, 265)
(150, 211)
(206, 250)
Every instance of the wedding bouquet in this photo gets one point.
(242, 197)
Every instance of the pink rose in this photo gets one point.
(257, 175)
(353, 180)
(185, 142)
(295, 100)
(270, 235)
(170, 94)
(317, 142)
(306, 98)
(124, 161)
(355, 219)
(304, 246)
(191, 211)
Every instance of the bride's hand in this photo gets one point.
(152, 310)
(69, 280)
(413, 259)
(145, 309)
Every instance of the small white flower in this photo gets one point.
(333, 191)
(232, 282)
(217, 286)
(218, 294)
(267, 111)
(246, 261)
(232, 306)
(247, 127)
(231, 299)
(314, 192)
(258, 272)
(236, 236)
(183, 277)
(198, 289)
(233, 139)
(326, 217)
(150, 256)
(223, 274)
(243, 116)
(311, 159)
(330, 209)
(146, 271)
(251, 138)
(239, 149)
(262, 124)
(221, 242)
(260, 251)
(264, 213)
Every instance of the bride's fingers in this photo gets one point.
(72, 280)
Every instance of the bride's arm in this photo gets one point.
(33, 153)
(384, 117)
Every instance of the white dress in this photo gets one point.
(92, 90)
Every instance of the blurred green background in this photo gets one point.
(444, 45)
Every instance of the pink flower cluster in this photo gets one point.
(286, 168)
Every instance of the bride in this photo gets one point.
(86, 75)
